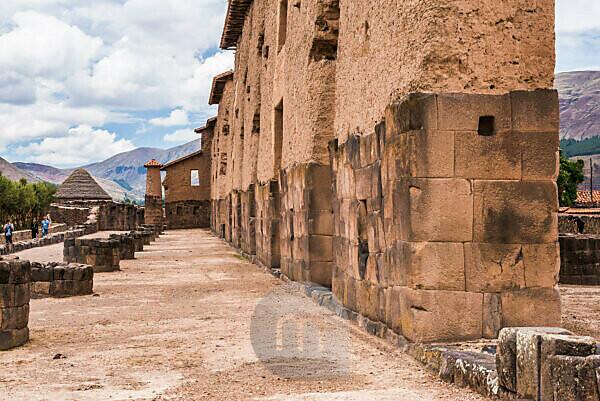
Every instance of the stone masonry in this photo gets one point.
(61, 279)
(153, 205)
(15, 277)
(579, 259)
(102, 254)
(404, 153)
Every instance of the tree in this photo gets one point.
(571, 175)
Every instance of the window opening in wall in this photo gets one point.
(487, 125)
(179, 211)
(194, 178)
(196, 210)
(283, 15)
(256, 123)
(278, 135)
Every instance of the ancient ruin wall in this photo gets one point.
(103, 255)
(15, 277)
(389, 48)
(222, 143)
(61, 280)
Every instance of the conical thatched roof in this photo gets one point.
(81, 186)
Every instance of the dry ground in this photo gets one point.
(176, 324)
(581, 309)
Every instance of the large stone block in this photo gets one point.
(417, 111)
(436, 266)
(462, 112)
(575, 378)
(535, 110)
(492, 315)
(515, 212)
(434, 210)
(529, 358)
(540, 155)
(495, 157)
(560, 345)
(494, 267)
(429, 316)
(542, 265)
(533, 307)
(506, 358)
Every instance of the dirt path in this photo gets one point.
(183, 321)
(581, 309)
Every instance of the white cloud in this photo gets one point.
(181, 135)
(67, 63)
(177, 117)
(81, 145)
(577, 15)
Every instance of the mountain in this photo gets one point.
(579, 94)
(122, 176)
(14, 172)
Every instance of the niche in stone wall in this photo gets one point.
(282, 25)
(278, 136)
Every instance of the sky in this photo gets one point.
(82, 80)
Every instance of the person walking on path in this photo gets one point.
(46, 226)
(8, 234)
(35, 229)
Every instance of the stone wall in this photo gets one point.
(109, 216)
(579, 224)
(15, 278)
(548, 364)
(580, 259)
(127, 245)
(443, 166)
(102, 254)
(25, 235)
(61, 280)
(188, 214)
(51, 239)
(434, 217)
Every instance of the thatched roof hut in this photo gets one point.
(81, 186)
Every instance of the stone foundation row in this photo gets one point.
(61, 279)
(15, 276)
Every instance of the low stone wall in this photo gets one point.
(126, 245)
(15, 277)
(25, 235)
(70, 215)
(102, 254)
(109, 216)
(138, 240)
(580, 259)
(61, 279)
(579, 224)
(51, 239)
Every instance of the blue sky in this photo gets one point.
(82, 80)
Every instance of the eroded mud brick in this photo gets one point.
(493, 157)
(462, 112)
(531, 307)
(540, 154)
(494, 267)
(441, 315)
(515, 212)
(436, 266)
(439, 210)
(542, 265)
(529, 355)
(535, 110)
(492, 315)
(417, 111)
(560, 345)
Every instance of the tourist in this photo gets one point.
(8, 234)
(46, 226)
(35, 229)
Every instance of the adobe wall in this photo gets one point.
(390, 48)
(177, 182)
